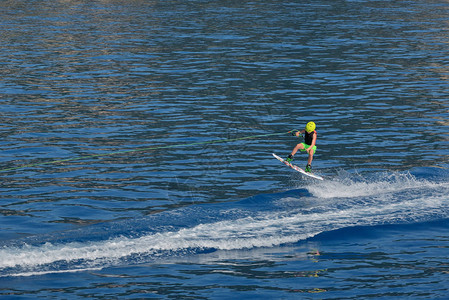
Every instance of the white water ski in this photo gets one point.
(294, 167)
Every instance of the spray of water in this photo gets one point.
(334, 204)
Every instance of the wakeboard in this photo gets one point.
(296, 168)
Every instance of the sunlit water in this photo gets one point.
(136, 141)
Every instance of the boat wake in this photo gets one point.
(260, 221)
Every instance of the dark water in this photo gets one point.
(136, 141)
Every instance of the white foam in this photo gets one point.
(385, 201)
(353, 187)
(227, 235)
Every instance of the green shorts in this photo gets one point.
(307, 147)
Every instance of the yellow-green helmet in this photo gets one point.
(310, 127)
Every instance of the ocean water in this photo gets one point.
(136, 141)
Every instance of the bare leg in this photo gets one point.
(298, 147)
(309, 161)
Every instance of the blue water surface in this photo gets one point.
(136, 141)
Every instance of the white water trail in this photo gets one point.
(336, 204)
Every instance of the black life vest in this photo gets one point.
(308, 137)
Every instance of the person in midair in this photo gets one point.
(309, 144)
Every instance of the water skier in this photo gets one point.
(309, 144)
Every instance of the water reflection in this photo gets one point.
(86, 78)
